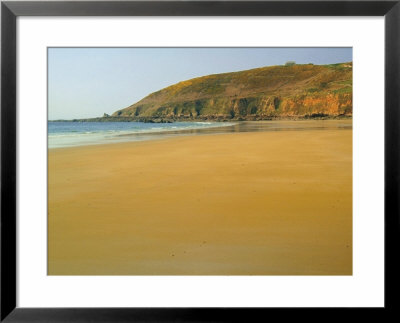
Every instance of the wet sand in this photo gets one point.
(252, 203)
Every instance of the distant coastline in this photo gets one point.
(287, 92)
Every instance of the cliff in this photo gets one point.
(262, 93)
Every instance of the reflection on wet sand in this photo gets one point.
(250, 126)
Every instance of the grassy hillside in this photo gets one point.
(261, 93)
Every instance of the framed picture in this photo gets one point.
(198, 160)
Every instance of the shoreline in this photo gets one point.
(223, 128)
(245, 203)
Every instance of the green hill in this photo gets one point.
(262, 93)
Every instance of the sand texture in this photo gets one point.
(262, 203)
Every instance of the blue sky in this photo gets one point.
(87, 82)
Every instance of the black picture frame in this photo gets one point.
(10, 10)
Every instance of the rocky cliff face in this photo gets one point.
(276, 91)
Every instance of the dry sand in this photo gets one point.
(266, 203)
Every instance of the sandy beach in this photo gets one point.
(253, 203)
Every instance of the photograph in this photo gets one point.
(199, 161)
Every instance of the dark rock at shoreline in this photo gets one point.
(316, 116)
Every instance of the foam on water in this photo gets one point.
(69, 134)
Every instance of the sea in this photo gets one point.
(70, 134)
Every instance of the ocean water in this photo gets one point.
(69, 134)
